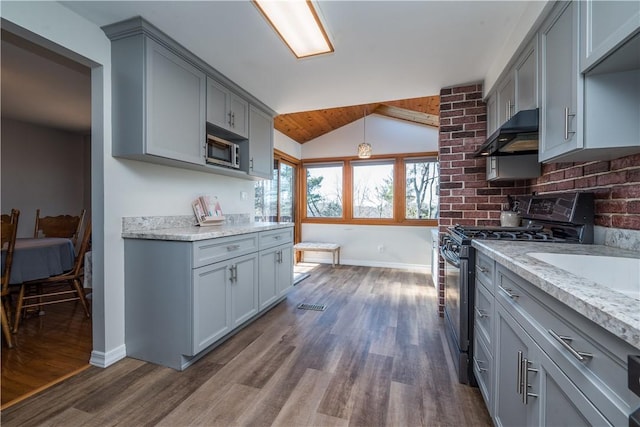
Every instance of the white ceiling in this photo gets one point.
(384, 50)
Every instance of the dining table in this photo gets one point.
(39, 258)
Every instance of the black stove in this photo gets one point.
(534, 233)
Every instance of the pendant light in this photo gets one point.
(364, 148)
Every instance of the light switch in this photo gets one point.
(243, 195)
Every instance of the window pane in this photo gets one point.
(373, 190)
(422, 189)
(324, 191)
(286, 192)
(266, 198)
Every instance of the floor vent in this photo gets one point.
(317, 307)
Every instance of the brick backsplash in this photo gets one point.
(616, 184)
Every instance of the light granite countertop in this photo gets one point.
(194, 233)
(614, 311)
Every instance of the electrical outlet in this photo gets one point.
(380, 248)
(243, 195)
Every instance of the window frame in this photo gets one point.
(399, 190)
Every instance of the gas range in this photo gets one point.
(563, 218)
(535, 233)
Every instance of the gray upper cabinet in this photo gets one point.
(260, 144)
(158, 103)
(165, 99)
(561, 117)
(492, 114)
(226, 110)
(604, 26)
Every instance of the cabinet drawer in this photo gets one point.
(485, 267)
(214, 250)
(269, 239)
(483, 313)
(483, 370)
(601, 374)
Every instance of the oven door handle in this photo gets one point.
(449, 258)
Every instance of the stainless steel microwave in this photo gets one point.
(222, 152)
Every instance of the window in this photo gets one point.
(421, 193)
(394, 189)
(372, 189)
(274, 198)
(324, 190)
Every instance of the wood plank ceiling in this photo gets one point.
(307, 125)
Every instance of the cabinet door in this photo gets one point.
(506, 100)
(285, 269)
(527, 79)
(561, 84)
(268, 292)
(244, 288)
(512, 346)
(175, 104)
(260, 143)
(604, 25)
(239, 115)
(492, 114)
(217, 104)
(211, 301)
(562, 402)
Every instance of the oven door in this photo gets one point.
(454, 294)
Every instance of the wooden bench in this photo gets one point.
(334, 248)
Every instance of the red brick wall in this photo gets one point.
(465, 195)
(616, 184)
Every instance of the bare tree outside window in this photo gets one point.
(373, 190)
(324, 191)
(422, 189)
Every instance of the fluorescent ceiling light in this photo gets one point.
(297, 23)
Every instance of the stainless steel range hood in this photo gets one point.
(519, 135)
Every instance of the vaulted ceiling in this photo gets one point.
(307, 125)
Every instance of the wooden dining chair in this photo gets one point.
(49, 290)
(59, 226)
(9, 231)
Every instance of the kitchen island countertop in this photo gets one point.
(195, 233)
(613, 311)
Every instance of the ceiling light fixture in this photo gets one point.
(297, 24)
(364, 148)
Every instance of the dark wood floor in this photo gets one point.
(47, 349)
(374, 357)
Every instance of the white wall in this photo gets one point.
(42, 168)
(386, 136)
(287, 145)
(119, 187)
(373, 245)
(402, 246)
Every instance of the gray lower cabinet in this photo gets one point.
(158, 103)
(182, 298)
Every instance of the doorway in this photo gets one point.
(46, 165)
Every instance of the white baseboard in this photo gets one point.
(420, 268)
(103, 360)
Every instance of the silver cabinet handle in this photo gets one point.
(233, 273)
(251, 163)
(229, 121)
(277, 237)
(233, 248)
(481, 313)
(482, 269)
(519, 375)
(509, 292)
(566, 124)
(233, 119)
(478, 367)
(525, 390)
(564, 341)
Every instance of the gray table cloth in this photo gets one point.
(40, 258)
